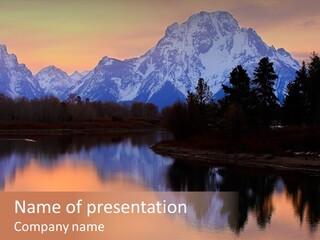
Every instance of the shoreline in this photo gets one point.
(302, 164)
(79, 131)
(98, 127)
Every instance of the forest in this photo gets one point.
(250, 117)
(74, 109)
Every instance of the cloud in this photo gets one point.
(309, 23)
(268, 14)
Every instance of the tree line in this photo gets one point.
(51, 110)
(249, 104)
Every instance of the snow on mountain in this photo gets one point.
(76, 76)
(85, 73)
(110, 80)
(16, 80)
(208, 45)
(54, 81)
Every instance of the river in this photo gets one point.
(271, 206)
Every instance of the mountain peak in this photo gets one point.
(53, 81)
(3, 49)
(205, 21)
(76, 73)
(76, 76)
(221, 19)
(52, 72)
(221, 15)
(106, 61)
(51, 68)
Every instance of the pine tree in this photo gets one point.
(267, 105)
(202, 95)
(237, 102)
(313, 89)
(295, 104)
(198, 103)
(239, 89)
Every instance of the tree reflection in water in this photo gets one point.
(129, 154)
(255, 191)
(305, 198)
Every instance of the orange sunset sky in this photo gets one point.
(76, 34)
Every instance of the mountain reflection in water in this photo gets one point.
(110, 155)
(129, 155)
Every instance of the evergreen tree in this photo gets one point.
(313, 89)
(239, 90)
(198, 103)
(267, 105)
(200, 99)
(237, 102)
(295, 104)
(202, 95)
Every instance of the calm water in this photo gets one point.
(270, 206)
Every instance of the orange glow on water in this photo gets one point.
(66, 176)
(82, 176)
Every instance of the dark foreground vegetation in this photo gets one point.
(51, 113)
(250, 118)
(290, 141)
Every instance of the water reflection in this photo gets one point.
(255, 190)
(129, 155)
(305, 198)
(206, 210)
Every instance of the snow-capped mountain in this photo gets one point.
(208, 45)
(76, 76)
(54, 82)
(16, 80)
(110, 80)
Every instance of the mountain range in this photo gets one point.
(207, 45)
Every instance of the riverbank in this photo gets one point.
(303, 164)
(77, 127)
